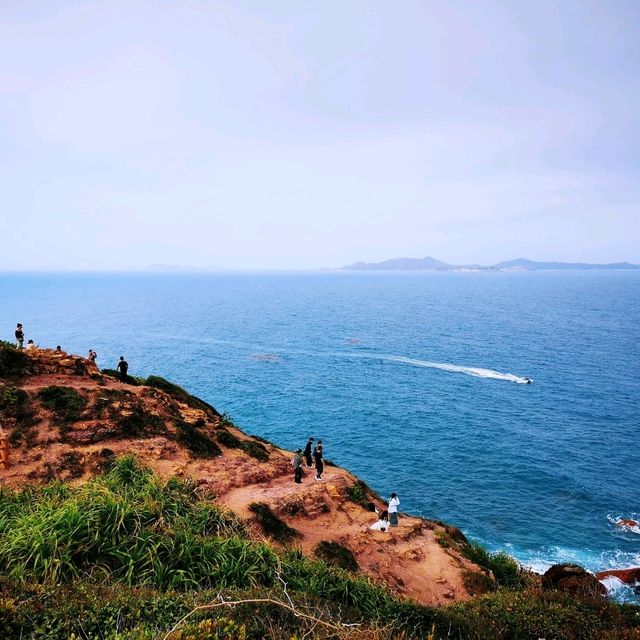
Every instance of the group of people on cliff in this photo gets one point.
(312, 457)
(122, 366)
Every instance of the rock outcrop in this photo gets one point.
(573, 579)
(628, 576)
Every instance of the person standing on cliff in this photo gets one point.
(123, 367)
(394, 501)
(307, 453)
(19, 336)
(297, 466)
(319, 461)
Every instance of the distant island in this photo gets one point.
(520, 264)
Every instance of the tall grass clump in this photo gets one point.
(130, 526)
(505, 569)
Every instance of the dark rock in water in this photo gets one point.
(627, 523)
(573, 579)
(628, 576)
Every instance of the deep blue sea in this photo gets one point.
(413, 381)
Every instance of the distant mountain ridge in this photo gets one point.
(520, 264)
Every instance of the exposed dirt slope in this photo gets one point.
(65, 420)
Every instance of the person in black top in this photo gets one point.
(123, 367)
(19, 336)
(319, 461)
(297, 465)
(307, 453)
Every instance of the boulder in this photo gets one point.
(627, 523)
(573, 579)
(628, 576)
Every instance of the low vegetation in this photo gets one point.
(336, 554)
(199, 443)
(128, 556)
(66, 403)
(251, 447)
(13, 363)
(272, 526)
(506, 571)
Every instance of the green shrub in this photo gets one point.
(252, 448)
(336, 554)
(179, 393)
(227, 439)
(505, 569)
(66, 403)
(255, 449)
(14, 363)
(139, 422)
(359, 492)
(200, 444)
(271, 524)
(16, 405)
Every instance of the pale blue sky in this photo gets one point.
(285, 135)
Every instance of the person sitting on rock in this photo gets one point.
(31, 345)
(92, 355)
(382, 524)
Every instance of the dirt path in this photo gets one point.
(408, 558)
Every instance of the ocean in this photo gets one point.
(414, 381)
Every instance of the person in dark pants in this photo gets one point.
(19, 336)
(307, 453)
(319, 461)
(123, 367)
(297, 465)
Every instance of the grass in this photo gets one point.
(359, 493)
(336, 554)
(13, 362)
(127, 555)
(179, 394)
(505, 569)
(66, 403)
(251, 447)
(200, 444)
(272, 526)
(17, 409)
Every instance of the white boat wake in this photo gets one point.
(476, 372)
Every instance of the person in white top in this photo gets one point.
(394, 501)
(31, 345)
(382, 524)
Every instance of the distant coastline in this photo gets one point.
(519, 264)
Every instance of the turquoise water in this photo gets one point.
(414, 381)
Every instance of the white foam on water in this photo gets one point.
(621, 529)
(476, 372)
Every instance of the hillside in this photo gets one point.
(66, 421)
(520, 264)
(133, 510)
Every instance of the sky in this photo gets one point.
(303, 134)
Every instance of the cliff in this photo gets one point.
(65, 421)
